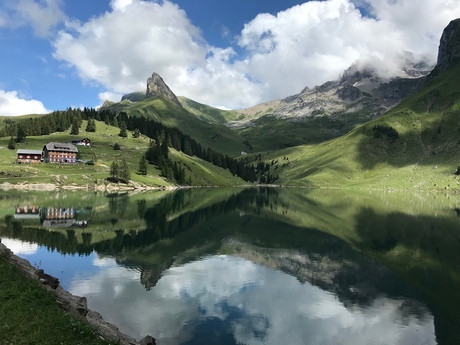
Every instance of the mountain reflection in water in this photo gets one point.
(259, 266)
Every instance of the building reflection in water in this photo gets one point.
(51, 217)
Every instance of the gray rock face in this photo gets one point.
(157, 87)
(449, 47)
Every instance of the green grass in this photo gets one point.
(208, 113)
(102, 140)
(203, 173)
(269, 133)
(196, 124)
(423, 157)
(29, 314)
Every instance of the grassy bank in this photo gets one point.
(29, 314)
(198, 171)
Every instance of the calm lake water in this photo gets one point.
(252, 266)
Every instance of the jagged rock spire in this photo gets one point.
(157, 87)
(449, 46)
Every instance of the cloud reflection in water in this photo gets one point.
(224, 299)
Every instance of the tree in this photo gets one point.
(136, 133)
(116, 146)
(12, 144)
(123, 130)
(21, 134)
(75, 127)
(114, 171)
(164, 148)
(124, 174)
(143, 165)
(91, 125)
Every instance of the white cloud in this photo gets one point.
(305, 45)
(235, 291)
(19, 247)
(42, 15)
(11, 104)
(109, 96)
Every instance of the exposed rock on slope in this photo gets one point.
(157, 87)
(449, 47)
(359, 90)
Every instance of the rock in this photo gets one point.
(148, 340)
(449, 47)
(46, 279)
(157, 87)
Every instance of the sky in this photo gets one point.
(229, 54)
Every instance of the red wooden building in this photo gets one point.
(59, 153)
(29, 156)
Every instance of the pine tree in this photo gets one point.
(164, 148)
(123, 130)
(143, 165)
(75, 127)
(91, 125)
(125, 176)
(114, 171)
(12, 144)
(21, 134)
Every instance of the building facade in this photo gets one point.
(82, 142)
(29, 156)
(59, 153)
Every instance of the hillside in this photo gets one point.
(415, 146)
(192, 122)
(198, 171)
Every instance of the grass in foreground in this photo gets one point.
(29, 314)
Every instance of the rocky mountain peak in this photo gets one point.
(157, 87)
(354, 74)
(449, 47)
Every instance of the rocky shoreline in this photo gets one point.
(74, 305)
(110, 187)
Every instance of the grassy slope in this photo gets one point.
(29, 314)
(105, 136)
(270, 133)
(423, 157)
(196, 124)
(208, 113)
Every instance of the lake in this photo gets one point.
(251, 266)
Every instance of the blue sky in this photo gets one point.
(226, 53)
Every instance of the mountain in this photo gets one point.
(157, 87)
(449, 47)
(313, 116)
(415, 145)
(329, 110)
(161, 104)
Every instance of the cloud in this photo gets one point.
(121, 48)
(233, 292)
(109, 96)
(42, 15)
(19, 247)
(278, 55)
(11, 104)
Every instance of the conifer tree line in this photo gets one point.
(57, 121)
(164, 137)
(157, 153)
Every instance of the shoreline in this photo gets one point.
(69, 303)
(49, 187)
